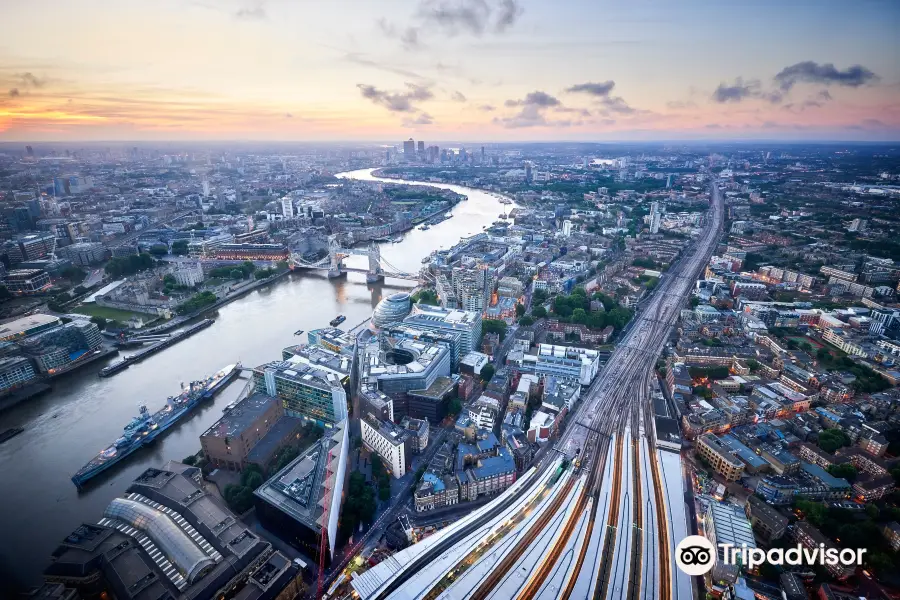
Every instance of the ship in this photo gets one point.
(146, 427)
(425, 227)
(338, 320)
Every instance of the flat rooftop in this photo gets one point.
(20, 326)
(244, 414)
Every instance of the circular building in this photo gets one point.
(391, 310)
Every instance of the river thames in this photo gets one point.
(84, 413)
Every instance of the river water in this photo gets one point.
(39, 505)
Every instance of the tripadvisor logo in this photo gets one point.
(696, 555)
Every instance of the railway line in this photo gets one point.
(600, 532)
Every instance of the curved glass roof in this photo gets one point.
(174, 542)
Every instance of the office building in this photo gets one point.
(331, 338)
(229, 441)
(84, 253)
(452, 340)
(397, 367)
(490, 475)
(467, 323)
(418, 429)
(567, 228)
(312, 385)
(15, 371)
(726, 524)
(720, 457)
(388, 441)
(510, 287)
(421, 148)
(169, 538)
(25, 326)
(287, 207)
(57, 347)
(409, 149)
(26, 281)
(565, 363)
(305, 496)
(392, 310)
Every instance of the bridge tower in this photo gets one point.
(375, 273)
(336, 259)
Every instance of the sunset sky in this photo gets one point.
(489, 70)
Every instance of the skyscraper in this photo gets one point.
(655, 217)
(528, 174)
(421, 148)
(409, 149)
(287, 207)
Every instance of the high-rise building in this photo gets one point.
(528, 173)
(442, 319)
(655, 217)
(311, 384)
(205, 189)
(287, 207)
(567, 228)
(421, 148)
(409, 149)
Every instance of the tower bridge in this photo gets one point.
(378, 268)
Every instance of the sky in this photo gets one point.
(479, 70)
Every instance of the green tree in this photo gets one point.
(494, 326)
(487, 372)
(190, 460)
(832, 439)
(159, 249)
(520, 309)
(526, 321)
(455, 406)
(100, 322)
(844, 471)
(180, 247)
(539, 312)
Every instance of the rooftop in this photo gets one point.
(21, 326)
(244, 414)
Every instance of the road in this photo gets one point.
(528, 544)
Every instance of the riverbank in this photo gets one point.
(379, 172)
(66, 426)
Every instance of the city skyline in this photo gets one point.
(498, 70)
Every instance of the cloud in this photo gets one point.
(594, 89)
(824, 74)
(536, 98)
(470, 16)
(288, 116)
(532, 111)
(737, 91)
(14, 93)
(486, 108)
(30, 80)
(256, 12)
(580, 111)
(874, 123)
(713, 126)
(409, 36)
(396, 101)
(510, 11)
(824, 95)
(458, 96)
(422, 119)
(616, 105)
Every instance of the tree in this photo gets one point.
(844, 471)
(753, 365)
(180, 247)
(520, 309)
(100, 322)
(539, 312)
(5, 294)
(254, 480)
(487, 372)
(190, 460)
(526, 321)
(832, 439)
(455, 406)
(823, 354)
(159, 249)
(494, 326)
